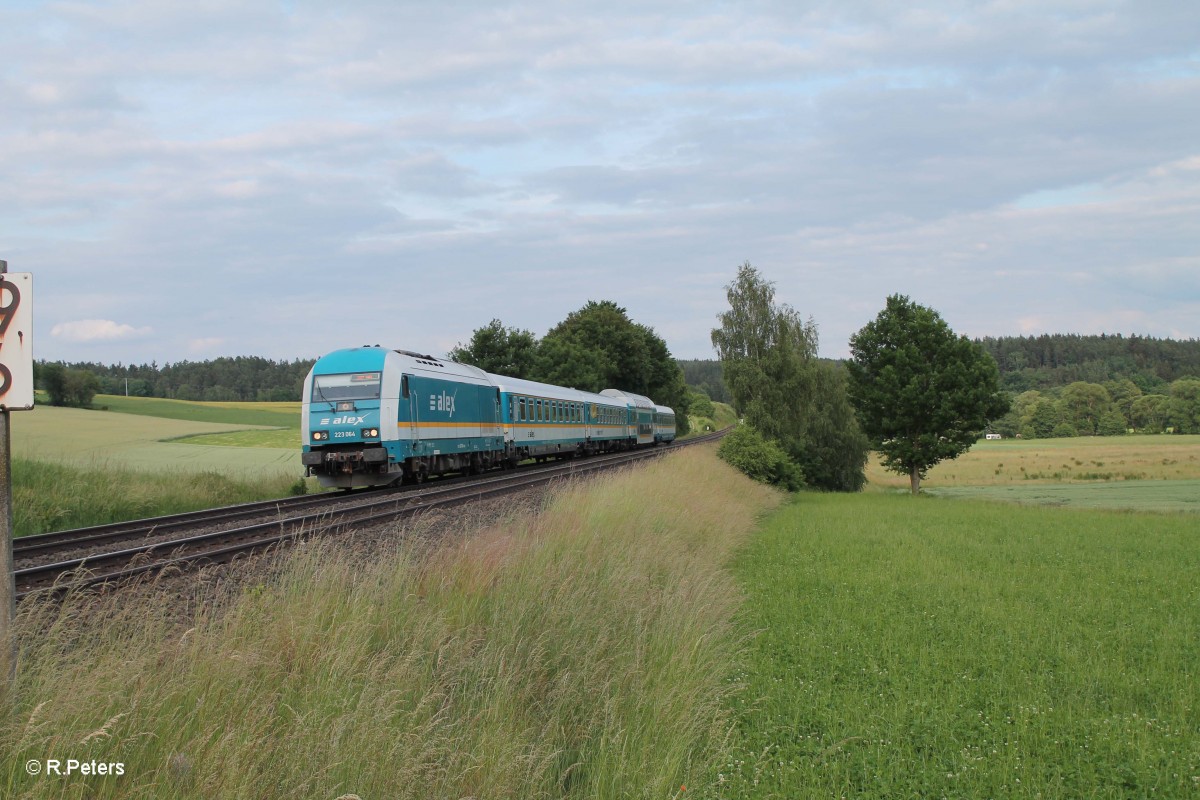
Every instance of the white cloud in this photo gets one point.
(206, 344)
(96, 330)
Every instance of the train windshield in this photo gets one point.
(350, 386)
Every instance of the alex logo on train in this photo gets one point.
(442, 402)
(346, 420)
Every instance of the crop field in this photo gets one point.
(101, 439)
(279, 438)
(910, 647)
(1133, 472)
(284, 415)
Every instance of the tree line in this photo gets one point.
(1056, 360)
(240, 378)
(1113, 408)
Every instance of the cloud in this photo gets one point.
(205, 344)
(405, 172)
(96, 330)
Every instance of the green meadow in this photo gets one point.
(915, 647)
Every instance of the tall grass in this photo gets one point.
(583, 652)
(49, 496)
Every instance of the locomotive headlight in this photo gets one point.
(320, 436)
(370, 433)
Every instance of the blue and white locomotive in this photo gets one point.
(373, 416)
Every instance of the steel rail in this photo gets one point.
(224, 545)
(26, 547)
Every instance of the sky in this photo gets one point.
(229, 177)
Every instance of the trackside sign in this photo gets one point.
(16, 340)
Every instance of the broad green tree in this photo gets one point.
(600, 338)
(1124, 394)
(499, 350)
(597, 347)
(1150, 413)
(67, 386)
(1084, 405)
(779, 386)
(923, 394)
(566, 363)
(1184, 407)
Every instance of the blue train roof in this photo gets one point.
(354, 359)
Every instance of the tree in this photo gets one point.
(922, 394)
(597, 347)
(67, 386)
(770, 367)
(81, 386)
(1084, 404)
(1184, 406)
(496, 349)
(1150, 413)
(601, 341)
(54, 381)
(563, 362)
(700, 403)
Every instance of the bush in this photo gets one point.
(1064, 430)
(762, 459)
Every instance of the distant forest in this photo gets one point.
(1041, 362)
(1053, 360)
(221, 379)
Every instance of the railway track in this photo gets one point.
(281, 521)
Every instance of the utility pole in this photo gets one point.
(16, 392)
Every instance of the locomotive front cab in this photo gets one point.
(344, 435)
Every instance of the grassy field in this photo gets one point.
(278, 438)
(1075, 460)
(104, 440)
(582, 653)
(51, 496)
(77, 467)
(1146, 473)
(285, 415)
(914, 648)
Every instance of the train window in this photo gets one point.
(521, 406)
(349, 386)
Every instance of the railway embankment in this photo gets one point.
(579, 649)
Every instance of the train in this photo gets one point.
(374, 417)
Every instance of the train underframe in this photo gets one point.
(358, 467)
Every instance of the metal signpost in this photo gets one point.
(16, 393)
